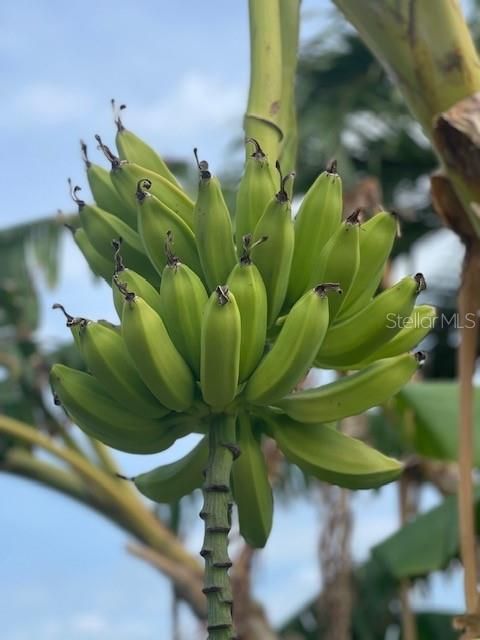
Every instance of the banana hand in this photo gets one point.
(318, 218)
(251, 487)
(220, 349)
(102, 418)
(170, 482)
(294, 350)
(213, 229)
(331, 456)
(353, 394)
(156, 358)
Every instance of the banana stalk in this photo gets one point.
(289, 25)
(262, 118)
(216, 513)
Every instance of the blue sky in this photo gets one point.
(182, 69)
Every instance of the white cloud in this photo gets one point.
(44, 104)
(197, 104)
(91, 622)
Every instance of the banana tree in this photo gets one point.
(261, 310)
(433, 61)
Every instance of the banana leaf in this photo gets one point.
(428, 543)
(434, 408)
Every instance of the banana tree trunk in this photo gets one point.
(428, 51)
(426, 47)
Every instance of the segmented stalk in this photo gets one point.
(262, 118)
(289, 26)
(216, 513)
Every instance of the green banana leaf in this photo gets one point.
(433, 433)
(428, 543)
(39, 239)
(375, 610)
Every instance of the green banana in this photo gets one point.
(213, 228)
(376, 238)
(220, 349)
(275, 258)
(103, 419)
(246, 284)
(74, 324)
(251, 488)
(110, 325)
(294, 350)
(357, 337)
(102, 227)
(108, 360)
(104, 193)
(256, 189)
(156, 358)
(318, 217)
(126, 176)
(353, 394)
(170, 482)
(332, 456)
(155, 220)
(415, 329)
(339, 260)
(96, 261)
(182, 301)
(133, 281)
(132, 148)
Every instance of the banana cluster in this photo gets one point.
(227, 314)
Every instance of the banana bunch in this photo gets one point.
(226, 314)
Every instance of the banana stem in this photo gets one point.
(104, 456)
(467, 303)
(262, 118)
(431, 57)
(290, 25)
(21, 463)
(216, 513)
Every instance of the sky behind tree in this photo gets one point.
(182, 69)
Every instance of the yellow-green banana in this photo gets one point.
(353, 394)
(182, 302)
(318, 217)
(275, 258)
(104, 193)
(414, 329)
(133, 281)
(96, 261)
(220, 349)
(126, 176)
(155, 220)
(213, 229)
(170, 482)
(104, 419)
(102, 227)
(107, 358)
(251, 488)
(333, 457)
(376, 238)
(132, 148)
(156, 358)
(339, 261)
(247, 286)
(294, 350)
(256, 189)
(357, 337)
